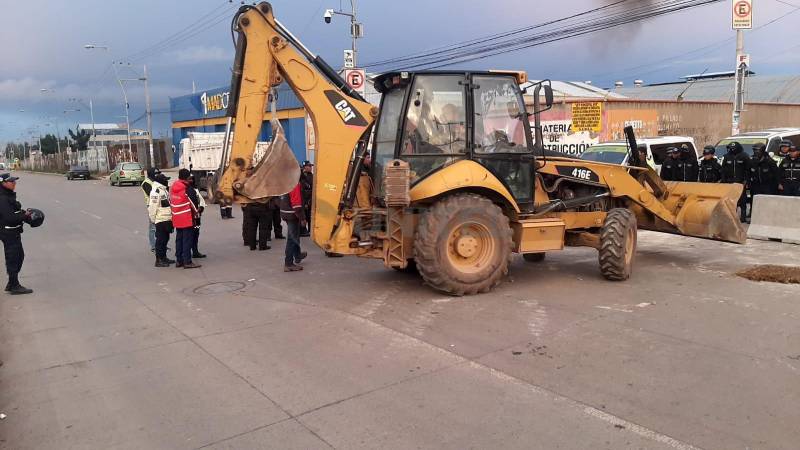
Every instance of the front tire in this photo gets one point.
(463, 245)
(618, 244)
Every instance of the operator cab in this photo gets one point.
(434, 119)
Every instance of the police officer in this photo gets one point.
(783, 151)
(763, 172)
(670, 165)
(710, 170)
(789, 173)
(11, 218)
(735, 169)
(687, 165)
(258, 217)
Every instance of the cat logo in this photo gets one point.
(349, 115)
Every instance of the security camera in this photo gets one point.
(328, 15)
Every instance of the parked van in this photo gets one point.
(616, 152)
(771, 138)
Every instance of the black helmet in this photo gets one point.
(709, 150)
(735, 147)
(36, 218)
(759, 147)
(671, 150)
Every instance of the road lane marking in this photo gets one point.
(91, 215)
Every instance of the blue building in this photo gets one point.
(205, 112)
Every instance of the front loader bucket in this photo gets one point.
(278, 171)
(706, 210)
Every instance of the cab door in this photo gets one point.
(501, 135)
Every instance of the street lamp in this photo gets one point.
(356, 28)
(148, 111)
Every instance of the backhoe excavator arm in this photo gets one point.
(266, 55)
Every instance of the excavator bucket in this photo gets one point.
(706, 210)
(278, 171)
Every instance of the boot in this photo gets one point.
(191, 265)
(264, 247)
(169, 261)
(20, 290)
(162, 263)
(178, 264)
(292, 268)
(197, 254)
(300, 257)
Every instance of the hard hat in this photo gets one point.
(36, 218)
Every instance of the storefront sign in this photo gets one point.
(214, 102)
(560, 136)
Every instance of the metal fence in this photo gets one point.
(100, 160)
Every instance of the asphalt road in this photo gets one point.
(110, 352)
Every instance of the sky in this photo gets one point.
(42, 47)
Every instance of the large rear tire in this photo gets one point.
(463, 245)
(617, 244)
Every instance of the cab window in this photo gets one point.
(435, 124)
(386, 135)
(499, 116)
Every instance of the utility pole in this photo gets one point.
(127, 107)
(356, 28)
(149, 117)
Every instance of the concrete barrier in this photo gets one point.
(775, 218)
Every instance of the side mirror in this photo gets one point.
(548, 95)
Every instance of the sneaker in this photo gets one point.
(292, 268)
(300, 257)
(20, 290)
(198, 255)
(178, 264)
(192, 265)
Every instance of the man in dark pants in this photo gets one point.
(670, 165)
(245, 224)
(735, 169)
(763, 172)
(292, 213)
(274, 223)
(710, 168)
(259, 219)
(161, 217)
(183, 202)
(789, 173)
(11, 218)
(201, 207)
(687, 165)
(307, 190)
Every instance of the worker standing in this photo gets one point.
(274, 220)
(160, 213)
(11, 218)
(226, 211)
(710, 170)
(292, 212)
(670, 165)
(789, 173)
(147, 186)
(183, 201)
(258, 219)
(307, 190)
(201, 207)
(763, 172)
(687, 167)
(735, 169)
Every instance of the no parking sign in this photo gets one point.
(356, 79)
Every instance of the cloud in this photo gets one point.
(200, 54)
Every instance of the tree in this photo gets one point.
(81, 138)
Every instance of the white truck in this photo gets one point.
(201, 154)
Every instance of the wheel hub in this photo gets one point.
(467, 246)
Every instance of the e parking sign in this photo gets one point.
(356, 79)
(742, 14)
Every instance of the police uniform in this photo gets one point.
(12, 216)
(686, 169)
(669, 167)
(763, 176)
(736, 169)
(789, 176)
(710, 170)
(259, 217)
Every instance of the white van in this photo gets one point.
(616, 152)
(771, 138)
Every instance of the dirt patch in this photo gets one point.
(775, 274)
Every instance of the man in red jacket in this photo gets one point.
(183, 200)
(292, 213)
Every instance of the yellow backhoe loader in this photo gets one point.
(456, 181)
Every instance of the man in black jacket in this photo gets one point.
(11, 218)
(763, 172)
(710, 168)
(670, 165)
(687, 165)
(789, 173)
(735, 169)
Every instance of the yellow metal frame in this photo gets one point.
(464, 174)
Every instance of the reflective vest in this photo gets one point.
(182, 208)
(158, 203)
(147, 188)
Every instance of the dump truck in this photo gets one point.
(458, 181)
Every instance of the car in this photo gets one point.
(81, 172)
(771, 137)
(127, 172)
(2, 166)
(616, 152)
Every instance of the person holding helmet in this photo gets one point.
(789, 173)
(12, 216)
(763, 172)
(670, 165)
(710, 170)
(735, 169)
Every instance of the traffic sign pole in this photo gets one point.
(742, 19)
